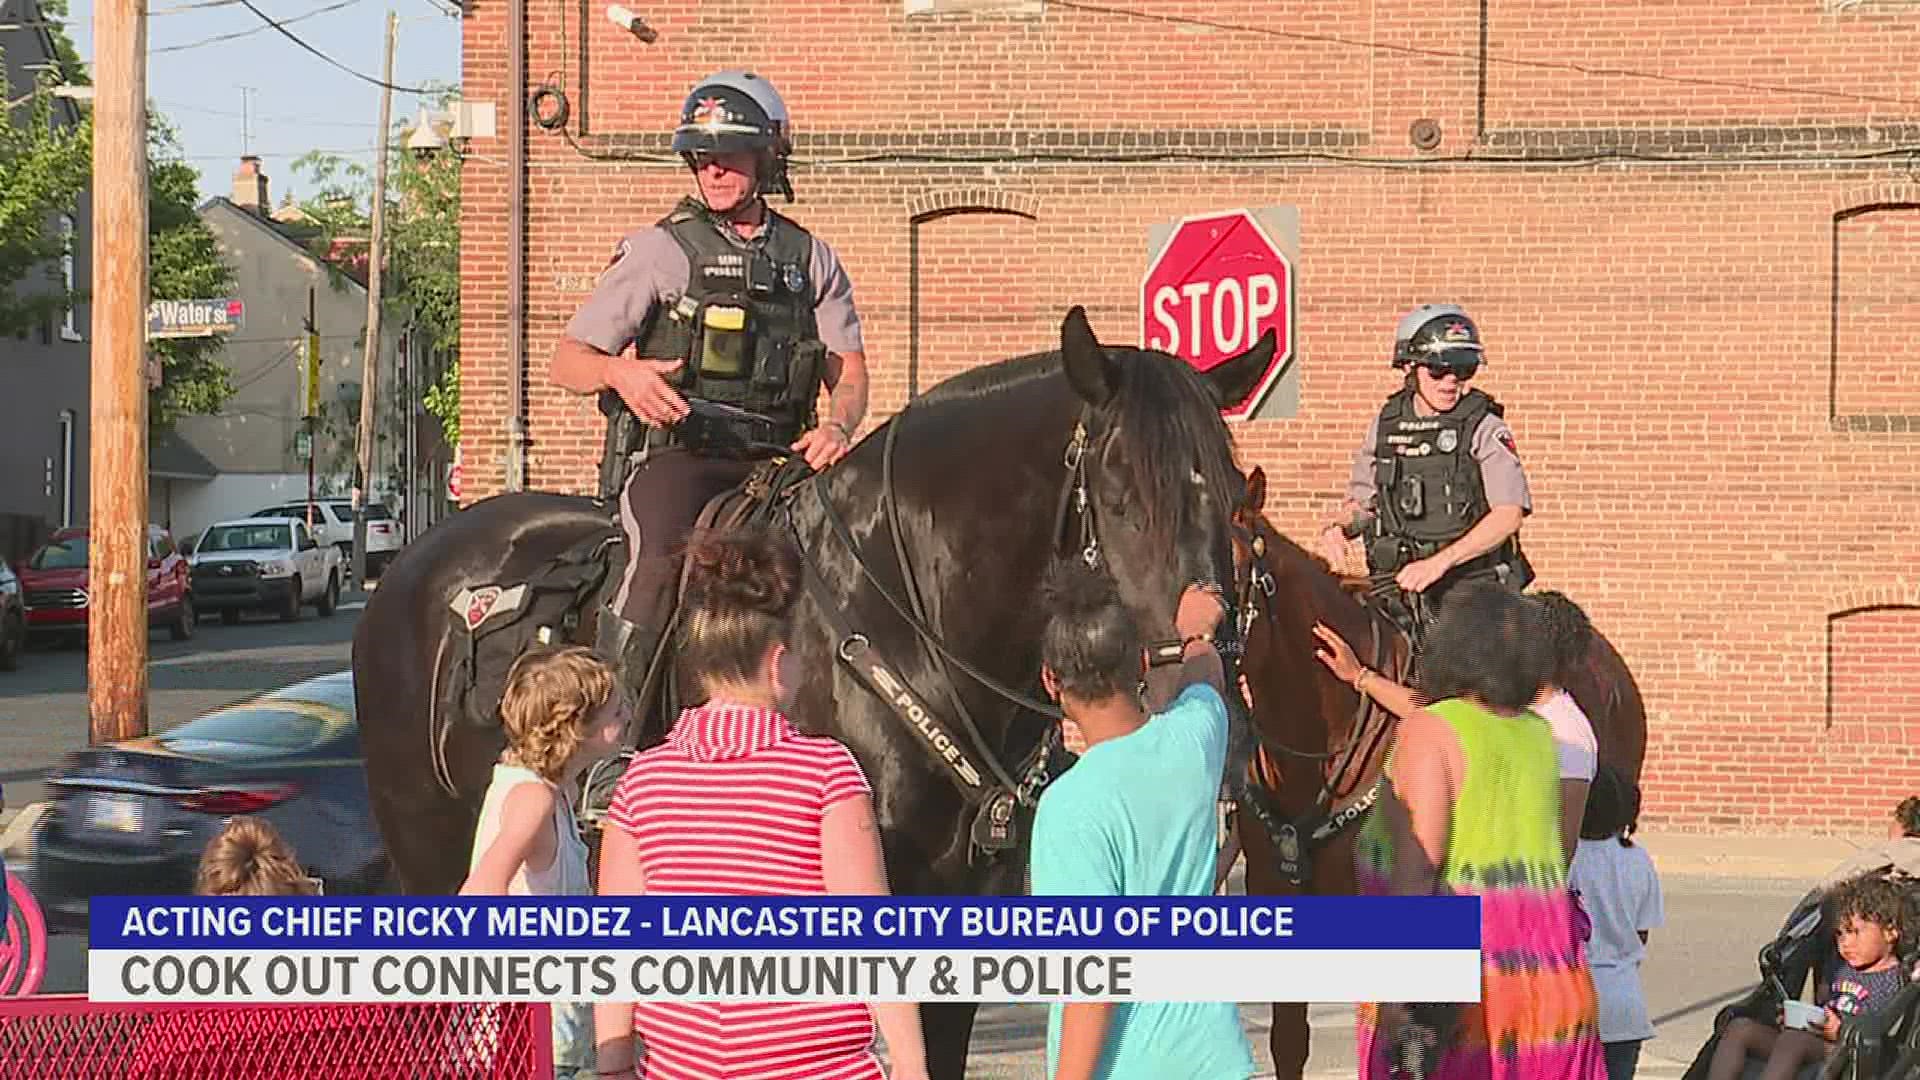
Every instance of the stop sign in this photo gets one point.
(1217, 286)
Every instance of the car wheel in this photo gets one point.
(184, 620)
(13, 640)
(230, 616)
(329, 599)
(290, 607)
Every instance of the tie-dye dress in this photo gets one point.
(1537, 1018)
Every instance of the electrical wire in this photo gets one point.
(296, 39)
(1445, 54)
(315, 121)
(217, 38)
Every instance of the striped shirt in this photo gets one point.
(731, 804)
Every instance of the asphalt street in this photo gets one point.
(1701, 960)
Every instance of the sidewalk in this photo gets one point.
(1789, 856)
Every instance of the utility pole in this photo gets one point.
(369, 364)
(117, 564)
(309, 387)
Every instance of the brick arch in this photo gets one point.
(975, 200)
(1859, 401)
(1865, 197)
(945, 204)
(1870, 699)
(1892, 594)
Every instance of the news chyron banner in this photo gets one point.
(707, 948)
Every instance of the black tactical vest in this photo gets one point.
(744, 326)
(1428, 491)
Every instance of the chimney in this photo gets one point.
(250, 187)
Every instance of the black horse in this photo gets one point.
(984, 475)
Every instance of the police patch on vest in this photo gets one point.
(620, 253)
(1448, 440)
(796, 281)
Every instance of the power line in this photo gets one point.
(291, 36)
(1444, 54)
(217, 38)
(229, 113)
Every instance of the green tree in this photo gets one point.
(422, 273)
(44, 167)
(183, 263)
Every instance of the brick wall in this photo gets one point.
(1697, 297)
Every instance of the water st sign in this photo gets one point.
(194, 318)
(1214, 284)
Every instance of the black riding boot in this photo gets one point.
(629, 646)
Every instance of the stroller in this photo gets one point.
(1882, 1046)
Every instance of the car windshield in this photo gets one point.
(246, 538)
(61, 555)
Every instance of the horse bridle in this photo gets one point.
(1364, 735)
(994, 828)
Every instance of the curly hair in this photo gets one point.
(250, 858)
(1570, 631)
(551, 693)
(1488, 642)
(1908, 815)
(1874, 899)
(742, 585)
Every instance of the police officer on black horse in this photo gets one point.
(727, 302)
(1437, 490)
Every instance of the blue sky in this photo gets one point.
(298, 102)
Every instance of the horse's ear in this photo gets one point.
(1234, 379)
(1257, 490)
(1089, 368)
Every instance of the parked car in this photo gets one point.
(13, 618)
(133, 817)
(264, 564)
(333, 524)
(54, 581)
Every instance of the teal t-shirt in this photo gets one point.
(1135, 817)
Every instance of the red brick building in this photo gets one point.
(1690, 233)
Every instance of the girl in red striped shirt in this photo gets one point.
(737, 802)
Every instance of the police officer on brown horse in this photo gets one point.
(1437, 490)
(733, 306)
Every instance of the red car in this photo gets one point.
(54, 580)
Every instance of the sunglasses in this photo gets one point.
(1462, 371)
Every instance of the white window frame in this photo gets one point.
(68, 229)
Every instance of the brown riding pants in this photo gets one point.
(662, 500)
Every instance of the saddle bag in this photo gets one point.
(495, 622)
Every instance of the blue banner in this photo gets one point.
(800, 924)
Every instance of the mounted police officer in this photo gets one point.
(1437, 490)
(726, 302)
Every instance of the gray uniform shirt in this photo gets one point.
(1492, 446)
(649, 268)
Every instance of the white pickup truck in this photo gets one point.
(264, 564)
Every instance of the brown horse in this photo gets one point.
(1321, 745)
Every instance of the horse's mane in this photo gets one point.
(1165, 416)
(1170, 422)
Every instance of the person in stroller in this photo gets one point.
(1870, 920)
(1901, 850)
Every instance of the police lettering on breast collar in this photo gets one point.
(724, 300)
(1437, 492)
